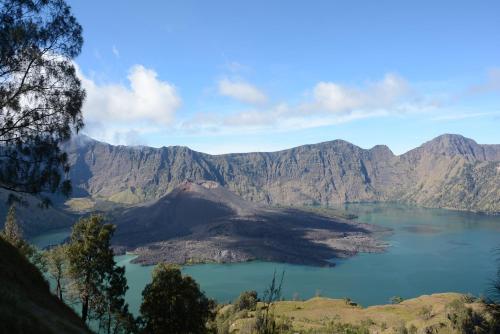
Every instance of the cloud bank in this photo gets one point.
(116, 112)
(146, 105)
(327, 103)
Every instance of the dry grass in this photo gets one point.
(317, 315)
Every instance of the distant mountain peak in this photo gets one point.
(454, 144)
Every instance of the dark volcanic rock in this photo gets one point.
(201, 221)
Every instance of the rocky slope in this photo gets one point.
(201, 221)
(449, 171)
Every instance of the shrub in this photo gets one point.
(469, 298)
(396, 300)
(246, 301)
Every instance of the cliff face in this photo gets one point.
(449, 171)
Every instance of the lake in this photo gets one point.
(431, 250)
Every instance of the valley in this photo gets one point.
(429, 251)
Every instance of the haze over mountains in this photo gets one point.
(450, 171)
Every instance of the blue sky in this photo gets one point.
(237, 76)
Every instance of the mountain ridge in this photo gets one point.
(450, 171)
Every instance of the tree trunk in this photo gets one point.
(109, 320)
(85, 309)
(59, 290)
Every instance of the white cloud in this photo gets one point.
(335, 98)
(114, 111)
(241, 91)
(329, 103)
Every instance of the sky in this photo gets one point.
(240, 76)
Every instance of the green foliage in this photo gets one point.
(90, 260)
(98, 283)
(114, 314)
(396, 300)
(38, 40)
(246, 301)
(56, 260)
(12, 233)
(241, 308)
(174, 304)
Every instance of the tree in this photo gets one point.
(13, 234)
(40, 94)
(11, 231)
(116, 317)
(90, 261)
(174, 304)
(57, 266)
(99, 284)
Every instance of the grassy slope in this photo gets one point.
(314, 315)
(26, 304)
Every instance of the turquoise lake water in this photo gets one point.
(431, 250)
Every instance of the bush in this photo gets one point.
(396, 300)
(246, 301)
(469, 298)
